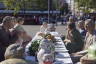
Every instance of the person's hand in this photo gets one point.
(41, 34)
(67, 40)
(76, 54)
(86, 60)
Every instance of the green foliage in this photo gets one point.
(86, 5)
(17, 5)
(42, 4)
(34, 47)
(64, 9)
(28, 4)
(14, 4)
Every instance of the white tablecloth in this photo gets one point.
(61, 56)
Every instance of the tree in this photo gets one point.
(17, 5)
(14, 4)
(86, 5)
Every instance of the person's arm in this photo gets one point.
(26, 39)
(80, 53)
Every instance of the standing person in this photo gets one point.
(19, 34)
(14, 54)
(43, 27)
(5, 36)
(14, 20)
(20, 20)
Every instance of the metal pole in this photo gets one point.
(48, 10)
(24, 8)
(70, 5)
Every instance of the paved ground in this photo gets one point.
(32, 29)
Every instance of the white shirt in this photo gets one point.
(43, 29)
(13, 27)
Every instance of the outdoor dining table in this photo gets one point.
(61, 53)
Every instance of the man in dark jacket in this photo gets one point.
(5, 36)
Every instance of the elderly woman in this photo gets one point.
(14, 61)
(15, 55)
(74, 41)
(82, 28)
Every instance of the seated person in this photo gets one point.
(86, 60)
(16, 52)
(74, 41)
(89, 40)
(82, 28)
(14, 61)
(51, 28)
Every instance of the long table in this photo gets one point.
(62, 56)
(61, 53)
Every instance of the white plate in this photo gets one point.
(63, 51)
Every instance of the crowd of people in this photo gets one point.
(13, 38)
(80, 36)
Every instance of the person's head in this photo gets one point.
(14, 51)
(71, 26)
(14, 20)
(71, 19)
(45, 24)
(14, 61)
(7, 22)
(19, 33)
(89, 25)
(20, 20)
(81, 24)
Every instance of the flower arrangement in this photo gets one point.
(48, 36)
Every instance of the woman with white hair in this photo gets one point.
(43, 27)
(82, 28)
